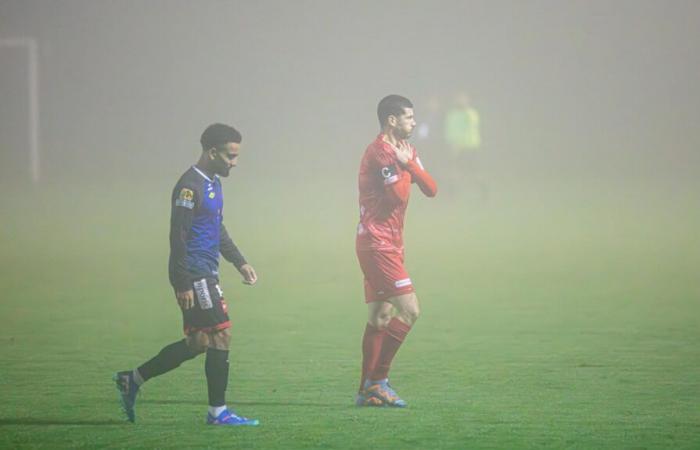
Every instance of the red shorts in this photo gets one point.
(385, 275)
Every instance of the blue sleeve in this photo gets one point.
(184, 202)
(229, 250)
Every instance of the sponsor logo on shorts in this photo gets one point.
(203, 295)
(403, 283)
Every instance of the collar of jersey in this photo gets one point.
(204, 175)
(384, 144)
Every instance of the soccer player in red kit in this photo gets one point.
(389, 166)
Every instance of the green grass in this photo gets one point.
(550, 320)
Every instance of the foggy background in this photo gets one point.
(574, 89)
(559, 288)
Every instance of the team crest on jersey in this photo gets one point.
(389, 174)
(185, 199)
(212, 195)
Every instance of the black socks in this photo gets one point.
(216, 368)
(170, 357)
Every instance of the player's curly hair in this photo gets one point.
(391, 105)
(219, 134)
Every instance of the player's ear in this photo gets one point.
(391, 120)
(212, 153)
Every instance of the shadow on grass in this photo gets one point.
(7, 421)
(246, 403)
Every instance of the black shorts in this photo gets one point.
(209, 312)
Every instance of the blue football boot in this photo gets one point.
(381, 391)
(229, 418)
(128, 389)
(363, 399)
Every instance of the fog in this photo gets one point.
(583, 89)
(557, 272)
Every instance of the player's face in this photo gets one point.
(405, 123)
(226, 158)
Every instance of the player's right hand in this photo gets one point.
(185, 299)
(403, 152)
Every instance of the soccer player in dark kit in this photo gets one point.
(389, 166)
(197, 236)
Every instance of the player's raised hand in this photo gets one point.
(185, 299)
(249, 275)
(403, 152)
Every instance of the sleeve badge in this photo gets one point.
(185, 199)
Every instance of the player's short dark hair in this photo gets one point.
(392, 105)
(219, 134)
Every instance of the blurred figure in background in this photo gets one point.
(428, 128)
(463, 138)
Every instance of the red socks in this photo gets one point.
(379, 348)
(371, 347)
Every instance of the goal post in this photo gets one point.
(31, 46)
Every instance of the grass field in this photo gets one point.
(552, 318)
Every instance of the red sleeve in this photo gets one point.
(398, 192)
(397, 186)
(421, 177)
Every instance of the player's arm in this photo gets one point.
(398, 192)
(421, 177)
(397, 186)
(183, 206)
(408, 158)
(230, 252)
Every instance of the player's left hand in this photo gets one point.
(249, 275)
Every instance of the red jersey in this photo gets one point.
(385, 186)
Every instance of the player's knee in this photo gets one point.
(410, 314)
(198, 342)
(380, 321)
(220, 339)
